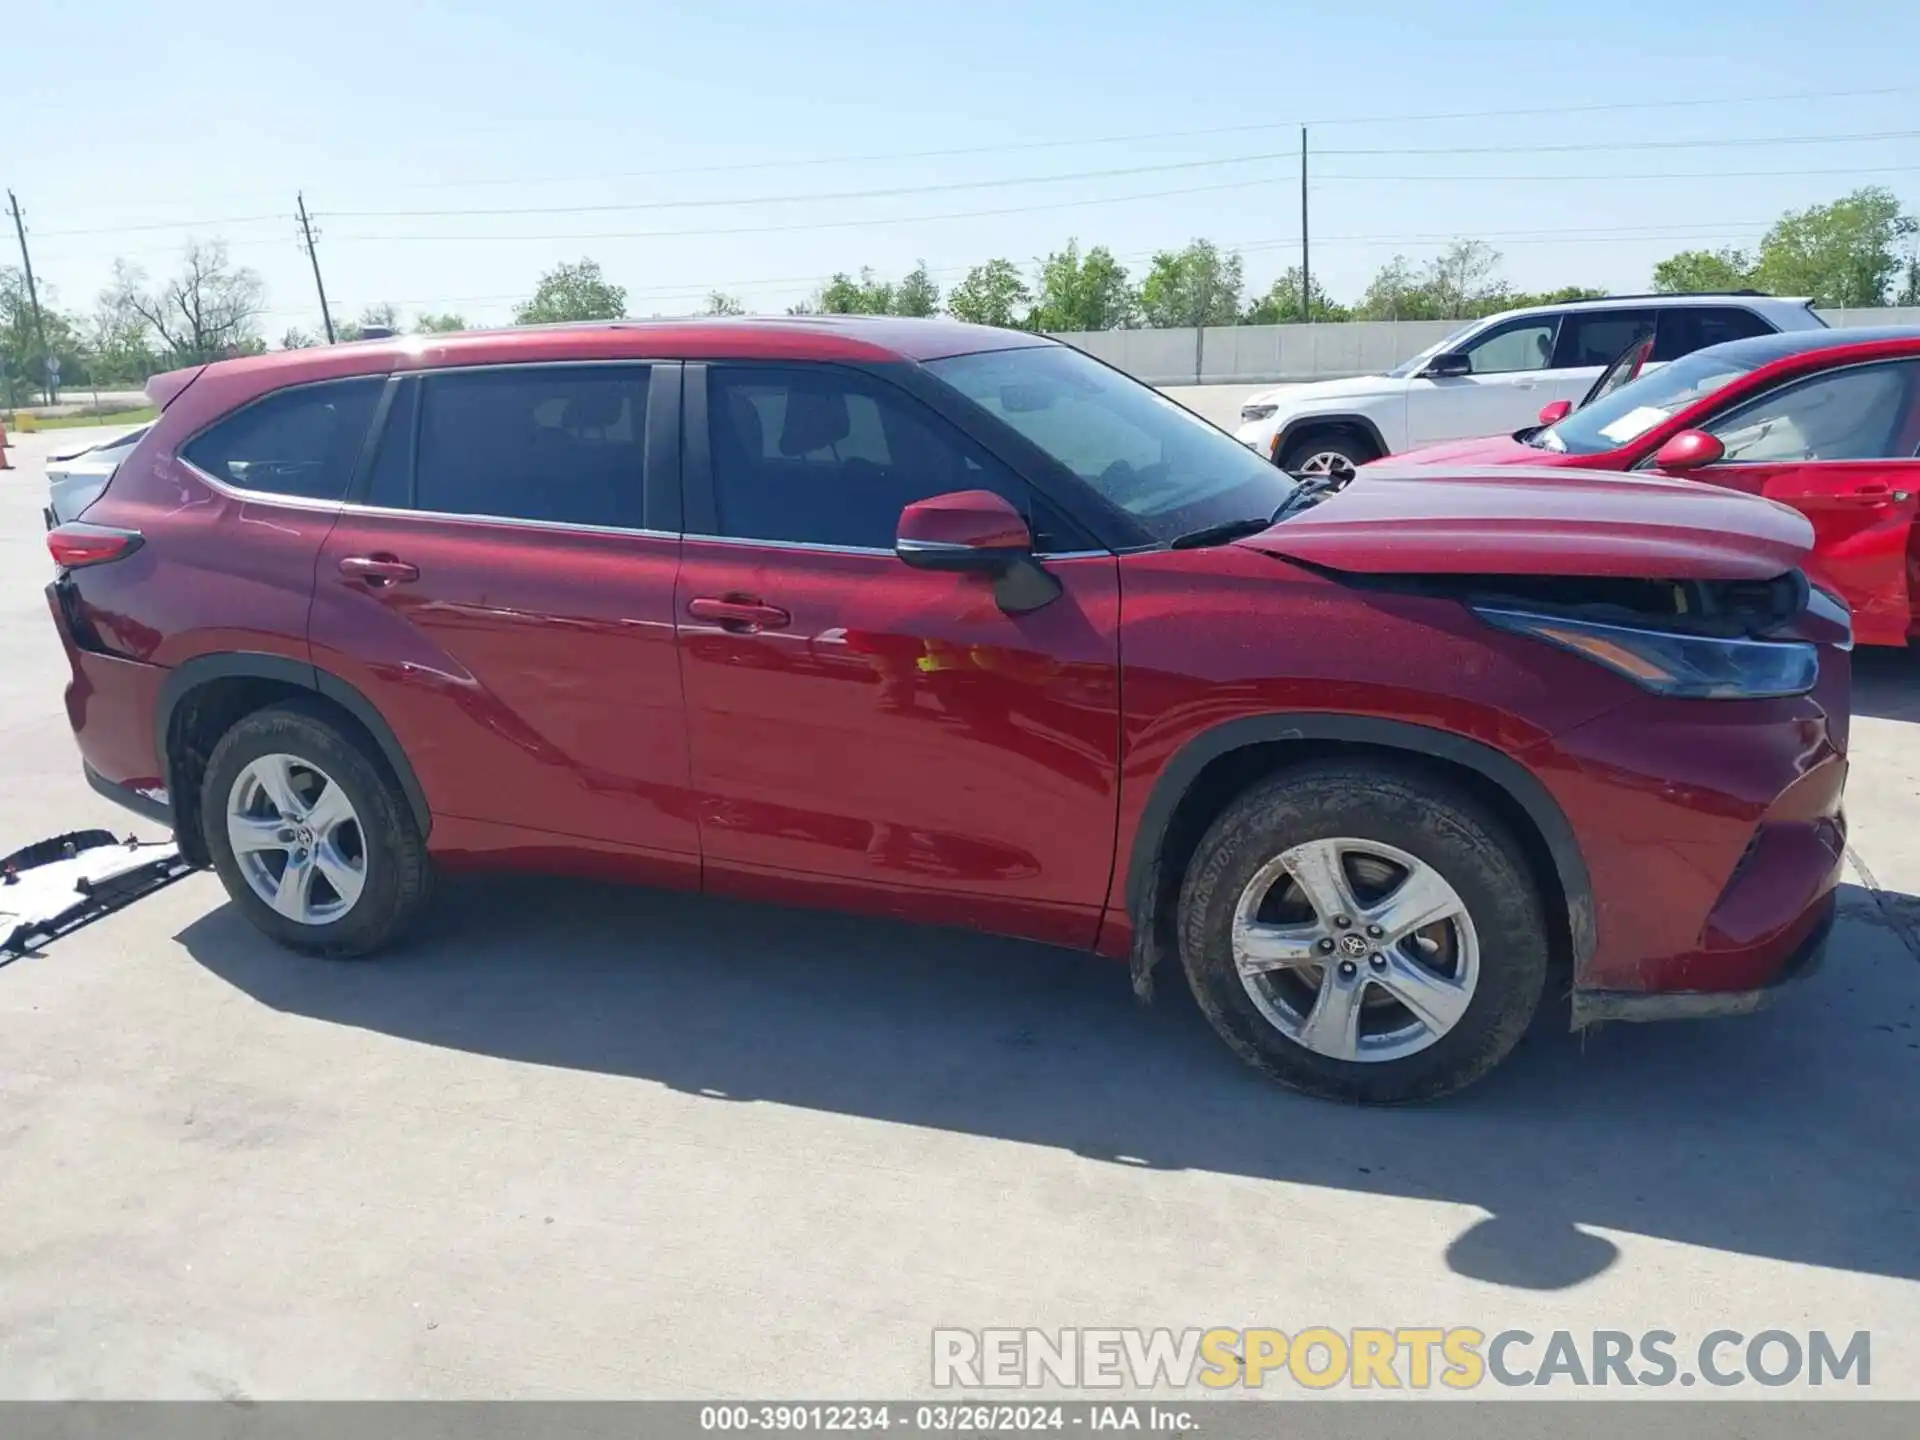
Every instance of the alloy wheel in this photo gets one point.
(296, 839)
(1356, 950)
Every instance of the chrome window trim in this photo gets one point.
(343, 507)
(808, 545)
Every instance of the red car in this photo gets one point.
(956, 624)
(1827, 421)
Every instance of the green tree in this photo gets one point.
(1090, 292)
(119, 340)
(22, 355)
(384, 316)
(992, 294)
(1565, 295)
(916, 294)
(1846, 253)
(440, 324)
(1704, 270)
(1281, 304)
(844, 295)
(297, 339)
(719, 303)
(1199, 285)
(573, 292)
(1461, 283)
(209, 309)
(1464, 280)
(1396, 293)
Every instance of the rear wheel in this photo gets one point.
(1364, 932)
(311, 836)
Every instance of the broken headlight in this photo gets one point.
(1697, 667)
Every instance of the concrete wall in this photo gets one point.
(1256, 354)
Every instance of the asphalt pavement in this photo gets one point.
(583, 1141)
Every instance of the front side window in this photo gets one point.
(1856, 414)
(1163, 465)
(299, 442)
(562, 444)
(1517, 345)
(1597, 337)
(817, 455)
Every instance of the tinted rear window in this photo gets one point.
(564, 444)
(1687, 328)
(298, 442)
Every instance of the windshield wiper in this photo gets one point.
(1305, 493)
(1219, 534)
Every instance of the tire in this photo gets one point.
(1310, 453)
(1479, 975)
(379, 842)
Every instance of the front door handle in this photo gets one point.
(378, 570)
(741, 614)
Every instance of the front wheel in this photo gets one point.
(1364, 932)
(1330, 452)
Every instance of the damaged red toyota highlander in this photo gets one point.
(948, 623)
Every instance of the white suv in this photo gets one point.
(1494, 375)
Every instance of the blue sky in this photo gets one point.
(204, 120)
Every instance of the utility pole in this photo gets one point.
(1306, 273)
(33, 294)
(306, 232)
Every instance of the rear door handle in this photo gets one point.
(378, 570)
(741, 614)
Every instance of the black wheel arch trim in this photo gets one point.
(1513, 778)
(1302, 423)
(190, 675)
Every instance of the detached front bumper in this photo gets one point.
(1592, 1007)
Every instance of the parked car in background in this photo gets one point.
(1493, 375)
(75, 479)
(959, 625)
(1826, 421)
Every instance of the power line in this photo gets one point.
(895, 191)
(1237, 184)
(168, 225)
(1023, 146)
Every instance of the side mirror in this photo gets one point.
(1446, 365)
(976, 531)
(1689, 450)
(1554, 411)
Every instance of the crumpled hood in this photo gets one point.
(1534, 520)
(1355, 388)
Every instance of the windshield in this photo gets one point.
(1167, 468)
(1636, 407)
(1413, 365)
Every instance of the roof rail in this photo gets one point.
(1683, 294)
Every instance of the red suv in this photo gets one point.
(956, 624)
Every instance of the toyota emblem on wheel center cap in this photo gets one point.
(1353, 945)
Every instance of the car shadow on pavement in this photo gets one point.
(1791, 1135)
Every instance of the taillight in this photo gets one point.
(76, 544)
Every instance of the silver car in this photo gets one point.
(75, 480)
